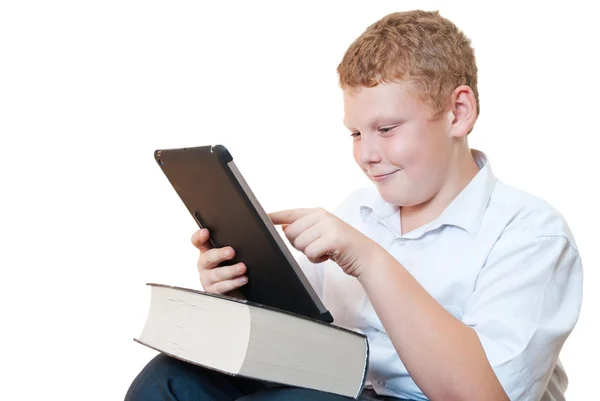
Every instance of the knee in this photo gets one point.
(154, 382)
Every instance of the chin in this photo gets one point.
(393, 197)
(398, 197)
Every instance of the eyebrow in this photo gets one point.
(377, 122)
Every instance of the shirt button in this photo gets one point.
(381, 383)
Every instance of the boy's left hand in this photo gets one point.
(320, 235)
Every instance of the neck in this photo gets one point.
(461, 170)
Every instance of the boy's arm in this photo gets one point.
(526, 303)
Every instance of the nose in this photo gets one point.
(367, 150)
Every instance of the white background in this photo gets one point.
(89, 89)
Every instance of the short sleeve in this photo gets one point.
(526, 302)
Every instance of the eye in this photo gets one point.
(355, 134)
(385, 130)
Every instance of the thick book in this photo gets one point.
(242, 338)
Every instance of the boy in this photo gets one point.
(465, 287)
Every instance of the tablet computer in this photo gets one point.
(219, 199)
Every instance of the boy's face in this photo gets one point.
(396, 144)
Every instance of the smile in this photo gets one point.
(381, 177)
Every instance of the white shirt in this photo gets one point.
(500, 260)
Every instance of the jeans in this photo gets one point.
(168, 379)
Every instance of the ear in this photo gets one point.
(464, 111)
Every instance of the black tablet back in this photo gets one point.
(217, 196)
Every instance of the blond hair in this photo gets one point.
(418, 46)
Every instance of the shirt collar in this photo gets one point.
(473, 198)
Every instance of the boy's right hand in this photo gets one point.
(217, 279)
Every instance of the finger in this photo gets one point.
(200, 240)
(209, 277)
(288, 216)
(223, 287)
(308, 222)
(224, 273)
(212, 257)
(307, 237)
(318, 250)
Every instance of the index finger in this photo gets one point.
(288, 216)
(200, 240)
